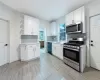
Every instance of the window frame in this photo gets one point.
(62, 32)
(42, 36)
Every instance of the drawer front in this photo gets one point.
(30, 47)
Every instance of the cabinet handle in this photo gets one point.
(25, 47)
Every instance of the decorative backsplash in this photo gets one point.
(69, 36)
(51, 38)
(76, 35)
(29, 38)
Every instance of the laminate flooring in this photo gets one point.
(47, 67)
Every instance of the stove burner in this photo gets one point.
(73, 44)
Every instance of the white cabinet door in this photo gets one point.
(35, 26)
(31, 26)
(60, 53)
(31, 51)
(23, 53)
(67, 20)
(57, 50)
(37, 51)
(54, 49)
(53, 28)
(27, 25)
(70, 18)
(78, 15)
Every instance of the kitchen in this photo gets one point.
(76, 34)
(70, 43)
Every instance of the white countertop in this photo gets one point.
(29, 43)
(52, 41)
(55, 42)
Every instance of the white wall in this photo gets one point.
(92, 8)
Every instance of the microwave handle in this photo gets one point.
(77, 27)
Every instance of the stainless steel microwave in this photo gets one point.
(74, 28)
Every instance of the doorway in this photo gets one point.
(42, 40)
(4, 42)
(95, 42)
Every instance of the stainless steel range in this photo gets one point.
(74, 53)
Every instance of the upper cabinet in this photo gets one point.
(53, 29)
(29, 25)
(70, 18)
(78, 15)
(75, 16)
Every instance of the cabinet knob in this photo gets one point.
(6, 45)
(91, 40)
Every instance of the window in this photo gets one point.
(62, 32)
(41, 37)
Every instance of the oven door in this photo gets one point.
(71, 54)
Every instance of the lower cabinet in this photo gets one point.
(29, 52)
(57, 50)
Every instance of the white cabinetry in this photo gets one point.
(54, 49)
(53, 29)
(57, 50)
(70, 18)
(29, 52)
(76, 16)
(29, 25)
(37, 50)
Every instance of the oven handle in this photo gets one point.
(71, 49)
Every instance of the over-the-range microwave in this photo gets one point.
(74, 28)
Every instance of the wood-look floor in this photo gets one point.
(46, 68)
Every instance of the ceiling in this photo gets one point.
(45, 9)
